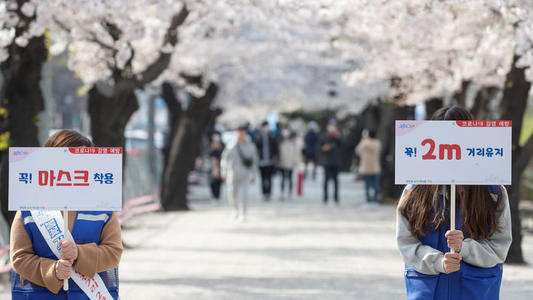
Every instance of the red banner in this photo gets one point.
(485, 123)
(95, 150)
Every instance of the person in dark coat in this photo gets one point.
(330, 151)
(215, 154)
(268, 150)
(311, 148)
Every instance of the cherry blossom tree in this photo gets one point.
(22, 55)
(249, 56)
(438, 48)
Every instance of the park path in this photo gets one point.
(298, 249)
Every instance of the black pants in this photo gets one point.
(331, 174)
(266, 180)
(216, 184)
(286, 179)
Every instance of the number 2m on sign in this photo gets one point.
(445, 151)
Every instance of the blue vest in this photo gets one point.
(469, 283)
(87, 229)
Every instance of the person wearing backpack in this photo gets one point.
(239, 168)
(444, 264)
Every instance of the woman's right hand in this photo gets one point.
(63, 269)
(452, 262)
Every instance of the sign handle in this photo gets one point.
(452, 209)
(65, 230)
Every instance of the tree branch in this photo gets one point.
(196, 80)
(129, 62)
(171, 38)
(102, 44)
(61, 25)
(161, 63)
(209, 95)
(113, 30)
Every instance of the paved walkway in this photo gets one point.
(298, 249)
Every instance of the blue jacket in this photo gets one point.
(469, 283)
(85, 230)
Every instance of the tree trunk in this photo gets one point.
(185, 149)
(396, 112)
(480, 107)
(22, 98)
(390, 112)
(109, 116)
(460, 95)
(432, 105)
(174, 112)
(513, 107)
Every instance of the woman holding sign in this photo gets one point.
(453, 264)
(94, 253)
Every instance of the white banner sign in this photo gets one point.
(453, 152)
(86, 178)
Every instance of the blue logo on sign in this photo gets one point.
(19, 152)
(406, 126)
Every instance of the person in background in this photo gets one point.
(330, 150)
(466, 263)
(289, 160)
(369, 152)
(310, 149)
(216, 149)
(239, 169)
(268, 150)
(97, 247)
(277, 132)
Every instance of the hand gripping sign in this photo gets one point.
(80, 179)
(50, 225)
(453, 152)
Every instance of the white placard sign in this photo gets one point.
(78, 179)
(453, 152)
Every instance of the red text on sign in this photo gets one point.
(446, 151)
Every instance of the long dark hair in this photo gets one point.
(422, 208)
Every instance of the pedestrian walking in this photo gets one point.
(215, 154)
(330, 149)
(289, 161)
(453, 264)
(268, 150)
(239, 168)
(311, 148)
(96, 249)
(369, 152)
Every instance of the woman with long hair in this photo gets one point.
(453, 264)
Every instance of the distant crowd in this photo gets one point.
(294, 156)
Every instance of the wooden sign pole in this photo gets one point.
(452, 209)
(65, 230)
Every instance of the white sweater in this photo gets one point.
(290, 154)
(480, 253)
(232, 166)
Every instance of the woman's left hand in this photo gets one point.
(69, 250)
(455, 239)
